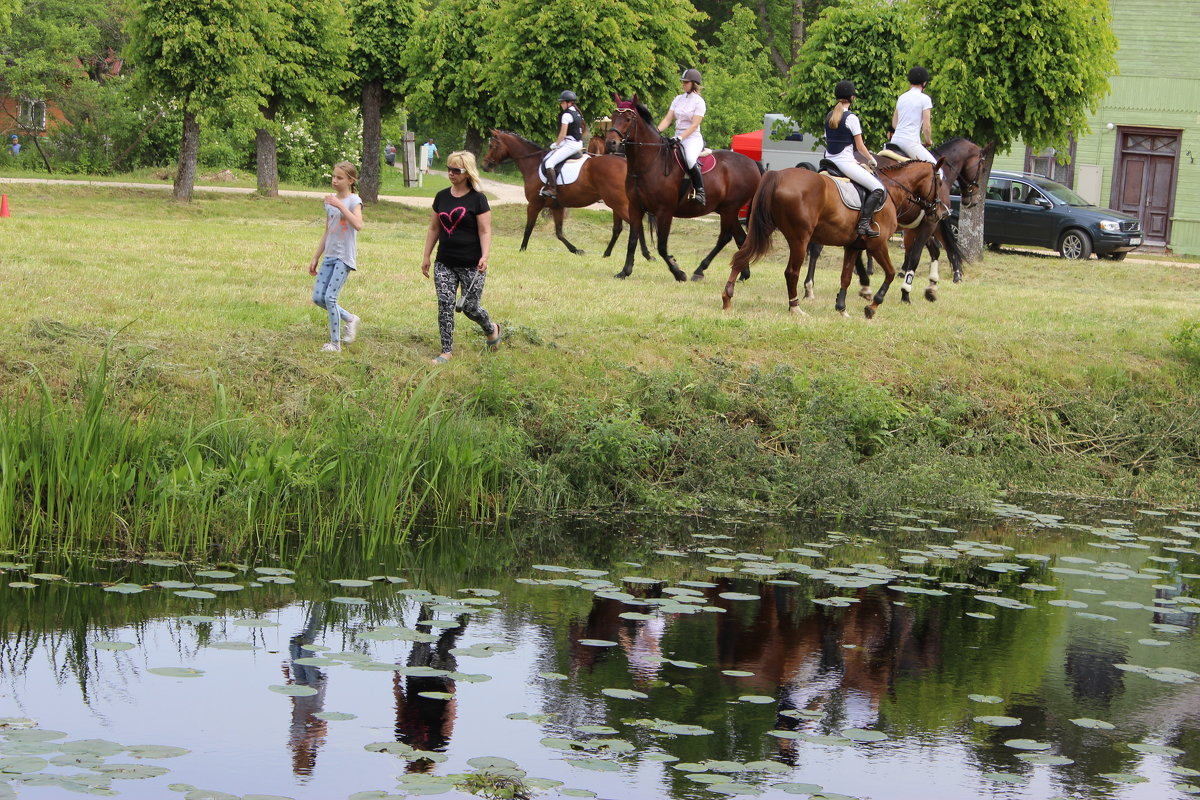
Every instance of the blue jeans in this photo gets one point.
(330, 279)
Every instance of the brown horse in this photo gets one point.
(602, 178)
(596, 145)
(806, 206)
(654, 183)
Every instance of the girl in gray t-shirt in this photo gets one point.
(339, 244)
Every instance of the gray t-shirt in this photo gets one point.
(340, 236)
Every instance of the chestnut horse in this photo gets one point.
(600, 178)
(654, 179)
(806, 206)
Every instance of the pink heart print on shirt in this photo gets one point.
(450, 221)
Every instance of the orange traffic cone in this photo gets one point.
(4, 206)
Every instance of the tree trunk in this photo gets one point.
(267, 154)
(781, 63)
(37, 146)
(372, 110)
(797, 27)
(970, 220)
(185, 170)
(474, 141)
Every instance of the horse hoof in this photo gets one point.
(869, 311)
(745, 276)
(809, 294)
(697, 276)
(958, 277)
(797, 311)
(931, 295)
(579, 252)
(865, 293)
(904, 298)
(680, 275)
(621, 276)
(845, 313)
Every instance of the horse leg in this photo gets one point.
(635, 234)
(617, 227)
(531, 215)
(848, 259)
(864, 276)
(797, 252)
(935, 252)
(558, 212)
(646, 254)
(814, 252)
(880, 248)
(722, 240)
(664, 234)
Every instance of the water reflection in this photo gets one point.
(900, 662)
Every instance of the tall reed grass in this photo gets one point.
(82, 475)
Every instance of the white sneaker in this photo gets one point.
(330, 347)
(350, 330)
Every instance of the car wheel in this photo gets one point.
(994, 247)
(1115, 256)
(1075, 245)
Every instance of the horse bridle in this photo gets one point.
(624, 139)
(927, 206)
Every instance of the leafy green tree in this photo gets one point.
(739, 81)
(203, 56)
(866, 41)
(40, 59)
(380, 29)
(537, 48)
(781, 25)
(445, 65)
(307, 56)
(1010, 70)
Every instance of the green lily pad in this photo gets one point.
(625, 694)
(131, 771)
(597, 764)
(737, 673)
(116, 646)
(552, 676)
(196, 594)
(706, 777)
(735, 788)
(1124, 777)
(198, 619)
(176, 672)
(255, 622)
(738, 596)
(1099, 724)
(1026, 744)
(597, 643)
(125, 588)
(491, 763)
(22, 765)
(437, 695)
(1155, 749)
(334, 716)
(758, 699)
(351, 582)
(985, 698)
(215, 573)
(797, 788)
(1045, 759)
(349, 601)
(1004, 777)
(999, 722)
(293, 690)
(863, 735)
(156, 751)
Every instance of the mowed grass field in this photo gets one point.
(221, 285)
(1033, 374)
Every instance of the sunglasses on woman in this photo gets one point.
(456, 170)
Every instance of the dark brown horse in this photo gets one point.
(602, 178)
(654, 180)
(806, 206)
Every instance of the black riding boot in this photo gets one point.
(697, 184)
(551, 188)
(871, 203)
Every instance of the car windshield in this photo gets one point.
(1061, 194)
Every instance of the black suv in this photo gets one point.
(1030, 210)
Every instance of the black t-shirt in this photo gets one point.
(458, 238)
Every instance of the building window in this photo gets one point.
(1045, 163)
(33, 114)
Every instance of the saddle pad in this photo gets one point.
(707, 161)
(568, 171)
(893, 155)
(848, 190)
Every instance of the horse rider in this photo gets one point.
(687, 112)
(568, 144)
(911, 119)
(843, 135)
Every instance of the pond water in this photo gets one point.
(1014, 654)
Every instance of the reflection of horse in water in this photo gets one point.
(306, 733)
(426, 723)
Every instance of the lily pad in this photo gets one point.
(293, 690)
(625, 694)
(351, 582)
(758, 699)
(863, 735)
(985, 698)
(1155, 749)
(116, 646)
(1098, 724)
(176, 672)
(1045, 759)
(597, 643)
(1026, 744)
(999, 722)
(596, 764)
(156, 751)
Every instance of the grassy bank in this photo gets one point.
(1035, 374)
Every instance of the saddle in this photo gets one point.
(895, 152)
(852, 194)
(706, 161)
(568, 171)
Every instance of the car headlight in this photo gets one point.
(1110, 226)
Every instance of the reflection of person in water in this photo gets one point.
(306, 733)
(426, 723)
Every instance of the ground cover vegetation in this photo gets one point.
(162, 387)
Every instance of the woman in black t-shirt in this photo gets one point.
(461, 226)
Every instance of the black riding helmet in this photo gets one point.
(692, 75)
(918, 75)
(568, 97)
(844, 90)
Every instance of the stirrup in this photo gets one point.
(698, 197)
(547, 191)
(866, 230)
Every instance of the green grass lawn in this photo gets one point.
(218, 291)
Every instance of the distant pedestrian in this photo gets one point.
(339, 243)
(14, 145)
(461, 226)
(389, 155)
(431, 153)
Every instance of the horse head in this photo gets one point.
(497, 151)
(624, 120)
(970, 171)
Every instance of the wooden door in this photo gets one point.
(1144, 179)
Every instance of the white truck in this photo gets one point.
(779, 144)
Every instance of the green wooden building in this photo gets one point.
(1141, 154)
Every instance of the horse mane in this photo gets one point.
(644, 113)
(898, 165)
(521, 138)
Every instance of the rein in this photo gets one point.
(928, 206)
(508, 154)
(627, 138)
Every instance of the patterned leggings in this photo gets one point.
(330, 279)
(446, 280)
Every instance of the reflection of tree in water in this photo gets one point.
(306, 733)
(1090, 670)
(426, 723)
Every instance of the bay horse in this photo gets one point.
(654, 179)
(602, 178)
(806, 206)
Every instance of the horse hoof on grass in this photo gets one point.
(745, 276)
(958, 277)
(905, 298)
(797, 311)
(931, 295)
(621, 276)
(697, 276)
(865, 293)
(869, 311)
(679, 275)
(845, 313)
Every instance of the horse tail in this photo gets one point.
(953, 252)
(761, 223)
